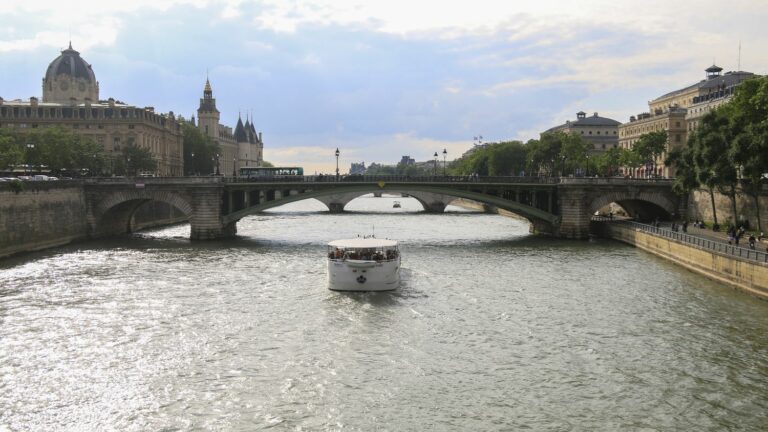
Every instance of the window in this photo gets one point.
(677, 137)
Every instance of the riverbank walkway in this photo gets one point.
(714, 241)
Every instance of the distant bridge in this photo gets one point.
(561, 207)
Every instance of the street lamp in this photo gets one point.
(128, 166)
(587, 165)
(30, 147)
(445, 155)
(337, 162)
(234, 166)
(562, 171)
(217, 165)
(192, 168)
(434, 172)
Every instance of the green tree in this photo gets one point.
(686, 178)
(199, 151)
(608, 162)
(11, 151)
(748, 112)
(574, 151)
(544, 154)
(135, 159)
(507, 158)
(710, 144)
(650, 146)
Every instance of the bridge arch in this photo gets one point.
(542, 220)
(112, 215)
(646, 205)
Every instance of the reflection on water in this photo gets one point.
(492, 329)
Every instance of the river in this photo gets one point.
(492, 329)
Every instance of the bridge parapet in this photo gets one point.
(560, 206)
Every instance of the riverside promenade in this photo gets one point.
(699, 250)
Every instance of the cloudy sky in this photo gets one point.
(382, 79)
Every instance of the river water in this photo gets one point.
(492, 329)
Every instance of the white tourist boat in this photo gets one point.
(363, 264)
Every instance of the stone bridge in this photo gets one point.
(561, 207)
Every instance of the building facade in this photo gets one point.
(679, 113)
(241, 147)
(602, 132)
(71, 100)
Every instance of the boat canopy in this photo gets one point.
(363, 243)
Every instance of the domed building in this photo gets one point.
(71, 100)
(70, 79)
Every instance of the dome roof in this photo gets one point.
(70, 63)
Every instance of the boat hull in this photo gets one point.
(359, 275)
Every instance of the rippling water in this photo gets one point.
(492, 330)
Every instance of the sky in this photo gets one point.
(383, 79)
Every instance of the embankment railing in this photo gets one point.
(713, 245)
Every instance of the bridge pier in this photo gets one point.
(432, 202)
(206, 218)
(336, 202)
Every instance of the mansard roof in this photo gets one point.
(582, 121)
(726, 80)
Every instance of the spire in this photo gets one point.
(240, 135)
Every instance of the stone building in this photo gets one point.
(602, 132)
(679, 112)
(71, 100)
(242, 147)
(671, 120)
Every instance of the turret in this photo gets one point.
(207, 114)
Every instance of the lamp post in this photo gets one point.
(217, 165)
(445, 155)
(234, 166)
(562, 171)
(128, 166)
(191, 171)
(434, 171)
(30, 147)
(337, 162)
(587, 165)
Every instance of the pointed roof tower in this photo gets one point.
(240, 134)
(207, 103)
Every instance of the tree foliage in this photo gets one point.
(56, 150)
(199, 151)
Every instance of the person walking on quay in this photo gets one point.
(685, 226)
(752, 241)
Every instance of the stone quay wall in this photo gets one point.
(700, 207)
(42, 215)
(49, 214)
(747, 275)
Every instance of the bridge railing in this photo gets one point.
(153, 180)
(713, 245)
(614, 181)
(394, 179)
